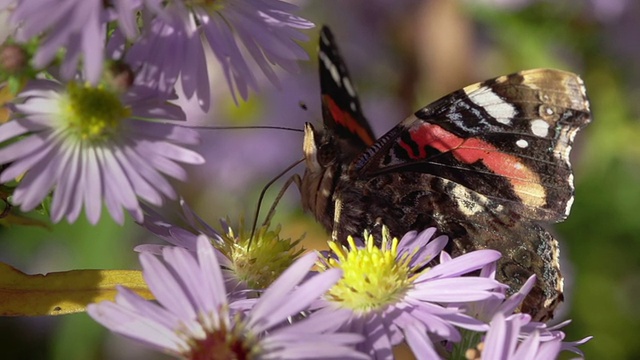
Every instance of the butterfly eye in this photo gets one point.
(326, 154)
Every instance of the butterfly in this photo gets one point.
(488, 165)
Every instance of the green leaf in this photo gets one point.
(64, 292)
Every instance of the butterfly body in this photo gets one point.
(486, 165)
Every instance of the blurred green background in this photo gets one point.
(403, 55)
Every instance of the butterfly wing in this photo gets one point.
(341, 109)
(484, 165)
(507, 138)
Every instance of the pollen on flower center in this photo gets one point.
(259, 260)
(92, 113)
(373, 277)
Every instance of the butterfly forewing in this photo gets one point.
(341, 109)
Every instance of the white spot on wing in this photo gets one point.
(522, 143)
(539, 127)
(564, 144)
(324, 38)
(348, 87)
(331, 67)
(499, 109)
(567, 210)
(583, 92)
(570, 181)
(466, 203)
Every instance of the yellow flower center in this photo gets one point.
(93, 114)
(374, 277)
(259, 261)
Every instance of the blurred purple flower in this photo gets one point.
(169, 50)
(172, 44)
(77, 26)
(266, 29)
(195, 319)
(392, 296)
(610, 10)
(93, 144)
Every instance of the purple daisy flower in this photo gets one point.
(248, 263)
(92, 144)
(516, 337)
(77, 26)
(194, 318)
(554, 333)
(509, 329)
(392, 296)
(264, 29)
(503, 341)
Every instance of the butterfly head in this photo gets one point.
(322, 160)
(319, 149)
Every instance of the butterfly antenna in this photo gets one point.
(294, 178)
(269, 127)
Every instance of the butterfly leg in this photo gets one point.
(293, 179)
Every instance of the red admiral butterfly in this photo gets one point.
(486, 165)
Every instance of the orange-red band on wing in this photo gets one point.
(526, 183)
(347, 121)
